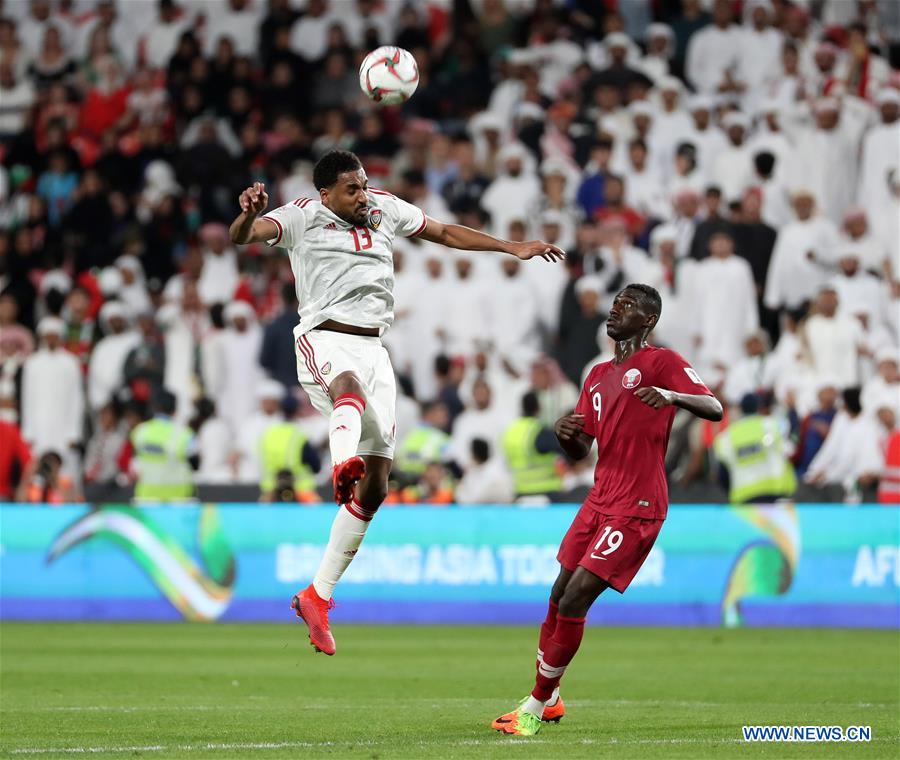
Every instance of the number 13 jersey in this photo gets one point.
(342, 272)
(630, 477)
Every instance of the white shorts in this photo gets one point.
(322, 355)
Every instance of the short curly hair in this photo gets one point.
(648, 296)
(333, 164)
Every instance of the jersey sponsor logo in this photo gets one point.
(631, 379)
(643, 503)
(592, 387)
(375, 216)
(692, 373)
(326, 368)
(331, 226)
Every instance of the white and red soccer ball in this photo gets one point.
(389, 75)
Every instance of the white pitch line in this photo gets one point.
(316, 745)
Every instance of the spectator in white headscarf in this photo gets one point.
(516, 180)
(105, 369)
(52, 395)
(235, 366)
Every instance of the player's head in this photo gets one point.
(341, 181)
(634, 313)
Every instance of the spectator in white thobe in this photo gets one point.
(107, 362)
(309, 34)
(760, 52)
(794, 275)
(883, 388)
(851, 450)
(514, 318)
(714, 52)
(214, 444)
(481, 419)
(704, 135)
(834, 341)
(162, 37)
(486, 480)
(52, 395)
(827, 158)
(725, 305)
(660, 50)
(880, 151)
(516, 188)
(856, 235)
(753, 372)
(433, 310)
(470, 294)
(239, 21)
(269, 394)
(219, 277)
(859, 293)
(235, 365)
(134, 285)
(732, 169)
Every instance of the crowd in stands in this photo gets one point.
(741, 157)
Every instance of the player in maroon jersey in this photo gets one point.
(627, 405)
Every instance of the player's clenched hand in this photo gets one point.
(532, 248)
(569, 426)
(655, 397)
(254, 199)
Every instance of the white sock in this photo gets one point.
(347, 533)
(345, 426)
(533, 706)
(554, 698)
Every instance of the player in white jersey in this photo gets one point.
(340, 247)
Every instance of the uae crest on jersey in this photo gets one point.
(631, 379)
(375, 218)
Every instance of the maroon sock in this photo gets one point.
(548, 627)
(557, 655)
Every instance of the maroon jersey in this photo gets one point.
(630, 477)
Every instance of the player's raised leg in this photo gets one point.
(581, 590)
(347, 533)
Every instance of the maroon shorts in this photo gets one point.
(612, 547)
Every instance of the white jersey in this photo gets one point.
(342, 272)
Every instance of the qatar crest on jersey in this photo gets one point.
(375, 218)
(326, 368)
(631, 379)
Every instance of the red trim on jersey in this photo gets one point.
(309, 356)
(280, 229)
(421, 226)
(301, 202)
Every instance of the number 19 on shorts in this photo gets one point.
(611, 539)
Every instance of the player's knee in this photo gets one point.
(575, 601)
(346, 382)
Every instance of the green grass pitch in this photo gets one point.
(213, 691)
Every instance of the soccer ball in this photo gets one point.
(389, 75)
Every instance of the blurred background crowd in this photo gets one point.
(741, 157)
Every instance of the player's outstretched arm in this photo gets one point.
(248, 228)
(466, 239)
(705, 407)
(571, 436)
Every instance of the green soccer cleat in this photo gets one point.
(525, 724)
